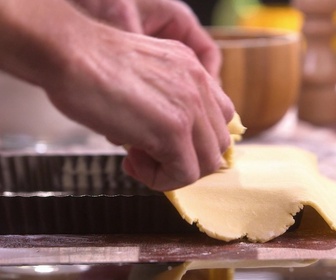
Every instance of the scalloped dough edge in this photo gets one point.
(258, 197)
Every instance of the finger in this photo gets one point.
(180, 23)
(208, 145)
(205, 49)
(140, 166)
(219, 111)
(113, 140)
(224, 102)
(167, 171)
(122, 14)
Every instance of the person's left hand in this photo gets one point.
(166, 19)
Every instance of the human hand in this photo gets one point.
(153, 95)
(149, 93)
(167, 19)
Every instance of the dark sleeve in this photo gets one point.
(203, 9)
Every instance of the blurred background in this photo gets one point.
(35, 108)
(256, 13)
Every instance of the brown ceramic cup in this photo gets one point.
(261, 72)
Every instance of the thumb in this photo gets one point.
(124, 15)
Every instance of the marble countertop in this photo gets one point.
(291, 131)
(99, 249)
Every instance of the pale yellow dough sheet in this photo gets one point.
(257, 197)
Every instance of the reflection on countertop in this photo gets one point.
(226, 270)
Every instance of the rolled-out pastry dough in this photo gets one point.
(257, 197)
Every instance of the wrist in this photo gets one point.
(37, 39)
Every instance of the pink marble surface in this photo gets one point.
(291, 131)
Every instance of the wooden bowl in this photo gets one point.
(261, 72)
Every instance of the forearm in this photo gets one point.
(92, 7)
(36, 38)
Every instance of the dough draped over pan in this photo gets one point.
(258, 195)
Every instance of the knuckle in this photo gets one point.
(187, 175)
(182, 50)
(189, 179)
(180, 123)
(164, 142)
(212, 165)
(192, 98)
(224, 142)
(153, 146)
(165, 137)
(119, 10)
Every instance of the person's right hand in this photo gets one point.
(153, 95)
